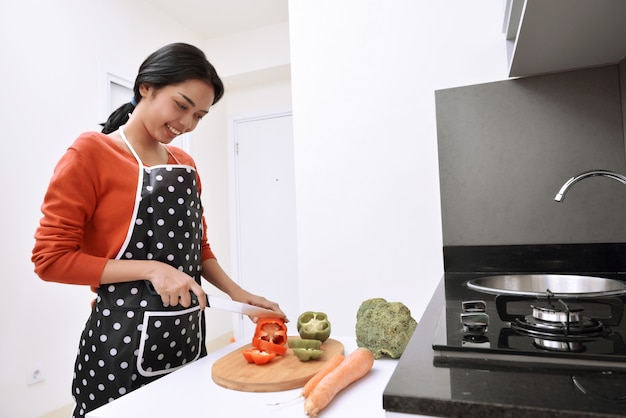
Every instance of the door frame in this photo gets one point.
(233, 192)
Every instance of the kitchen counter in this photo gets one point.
(417, 386)
(191, 392)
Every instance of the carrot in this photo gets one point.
(332, 363)
(355, 366)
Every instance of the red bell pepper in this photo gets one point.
(272, 330)
(269, 347)
(270, 340)
(256, 356)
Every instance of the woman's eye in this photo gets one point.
(199, 117)
(181, 106)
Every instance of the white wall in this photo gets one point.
(363, 80)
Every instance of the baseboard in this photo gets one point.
(63, 412)
(219, 342)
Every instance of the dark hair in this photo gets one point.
(172, 64)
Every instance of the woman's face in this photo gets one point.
(175, 109)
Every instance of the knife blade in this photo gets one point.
(241, 308)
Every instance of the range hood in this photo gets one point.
(548, 36)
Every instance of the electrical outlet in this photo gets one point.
(36, 374)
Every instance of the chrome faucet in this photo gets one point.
(604, 173)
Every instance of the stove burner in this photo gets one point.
(587, 328)
(558, 328)
(547, 311)
(560, 346)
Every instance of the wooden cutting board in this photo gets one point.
(286, 372)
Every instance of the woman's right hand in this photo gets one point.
(174, 286)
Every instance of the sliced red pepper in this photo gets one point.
(269, 347)
(256, 356)
(272, 330)
(270, 339)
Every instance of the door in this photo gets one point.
(265, 255)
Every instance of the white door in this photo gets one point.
(265, 232)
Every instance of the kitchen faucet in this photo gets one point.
(604, 173)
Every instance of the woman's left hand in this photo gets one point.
(244, 296)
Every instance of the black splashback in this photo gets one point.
(506, 148)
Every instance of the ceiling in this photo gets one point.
(554, 36)
(215, 18)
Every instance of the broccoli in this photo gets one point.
(385, 328)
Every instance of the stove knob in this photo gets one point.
(475, 341)
(474, 306)
(474, 322)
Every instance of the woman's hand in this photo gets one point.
(243, 296)
(174, 286)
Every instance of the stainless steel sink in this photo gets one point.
(559, 285)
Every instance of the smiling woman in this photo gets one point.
(123, 215)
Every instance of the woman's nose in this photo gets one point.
(188, 122)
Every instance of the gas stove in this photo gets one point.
(577, 331)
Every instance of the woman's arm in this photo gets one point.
(85, 215)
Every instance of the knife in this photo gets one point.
(241, 308)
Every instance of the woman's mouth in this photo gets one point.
(173, 130)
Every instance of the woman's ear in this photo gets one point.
(144, 89)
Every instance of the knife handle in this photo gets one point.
(153, 292)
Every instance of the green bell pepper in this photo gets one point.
(306, 354)
(314, 326)
(300, 343)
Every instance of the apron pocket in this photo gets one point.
(169, 340)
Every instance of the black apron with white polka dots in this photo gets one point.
(131, 337)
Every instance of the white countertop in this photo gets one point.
(191, 392)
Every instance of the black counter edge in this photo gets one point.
(554, 258)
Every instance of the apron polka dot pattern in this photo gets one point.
(131, 338)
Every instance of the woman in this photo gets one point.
(123, 215)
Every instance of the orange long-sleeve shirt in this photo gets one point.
(87, 210)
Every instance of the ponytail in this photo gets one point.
(118, 118)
